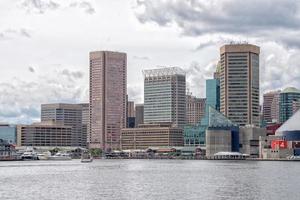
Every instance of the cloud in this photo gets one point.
(39, 6)
(247, 18)
(72, 74)
(196, 76)
(87, 6)
(203, 45)
(14, 33)
(31, 69)
(134, 92)
(20, 99)
(141, 57)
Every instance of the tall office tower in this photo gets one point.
(164, 96)
(139, 114)
(130, 115)
(239, 83)
(68, 115)
(268, 99)
(108, 79)
(86, 121)
(275, 107)
(287, 96)
(195, 109)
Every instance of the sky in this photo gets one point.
(45, 45)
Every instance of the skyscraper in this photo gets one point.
(68, 115)
(239, 83)
(269, 108)
(164, 96)
(287, 96)
(108, 71)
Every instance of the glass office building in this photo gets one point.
(195, 135)
(165, 96)
(287, 96)
(8, 133)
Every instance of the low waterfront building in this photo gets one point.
(290, 130)
(222, 135)
(151, 135)
(249, 140)
(44, 134)
(285, 142)
(8, 133)
(274, 147)
(194, 135)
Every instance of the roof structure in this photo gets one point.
(290, 90)
(217, 119)
(164, 71)
(292, 124)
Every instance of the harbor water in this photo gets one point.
(149, 179)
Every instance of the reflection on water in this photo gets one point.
(149, 179)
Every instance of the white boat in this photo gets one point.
(29, 154)
(44, 155)
(86, 157)
(60, 156)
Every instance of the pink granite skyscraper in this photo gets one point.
(108, 82)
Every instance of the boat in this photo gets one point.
(29, 154)
(60, 156)
(44, 155)
(86, 157)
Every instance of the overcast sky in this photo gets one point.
(44, 44)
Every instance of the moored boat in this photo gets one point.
(60, 156)
(86, 157)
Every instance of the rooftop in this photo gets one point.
(290, 90)
(292, 124)
(164, 71)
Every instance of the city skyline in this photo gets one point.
(54, 67)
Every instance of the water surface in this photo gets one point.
(149, 179)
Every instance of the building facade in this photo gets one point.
(164, 96)
(287, 96)
(108, 89)
(195, 109)
(296, 106)
(85, 123)
(151, 135)
(139, 114)
(45, 134)
(239, 83)
(130, 121)
(222, 135)
(68, 115)
(275, 107)
(271, 106)
(249, 140)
